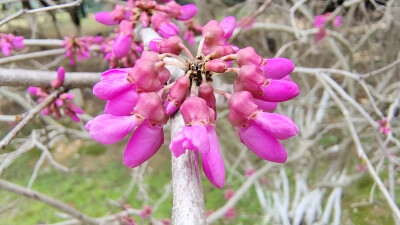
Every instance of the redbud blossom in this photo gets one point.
(176, 95)
(8, 42)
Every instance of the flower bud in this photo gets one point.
(277, 68)
(149, 106)
(176, 95)
(216, 65)
(242, 107)
(195, 111)
(247, 56)
(187, 12)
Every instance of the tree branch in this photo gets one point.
(8, 186)
(21, 77)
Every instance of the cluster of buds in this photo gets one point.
(134, 50)
(140, 97)
(384, 126)
(79, 47)
(320, 23)
(8, 42)
(63, 101)
(150, 14)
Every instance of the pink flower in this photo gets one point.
(77, 48)
(63, 101)
(147, 210)
(251, 78)
(200, 136)
(230, 213)
(228, 25)
(191, 29)
(384, 126)
(229, 193)
(249, 172)
(8, 42)
(187, 12)
(148, 116)
(258, 130)
(320, 23)
(176, 95)
(60, 78)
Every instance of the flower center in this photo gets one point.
(198, 70)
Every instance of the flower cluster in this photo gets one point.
(79, 47)
(320, 23)
(8, 42)
(63, 101)
(150, 14)
(139, 100)
(384, 126)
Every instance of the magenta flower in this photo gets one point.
(320, 23)
(63, 101)
(148, 116)
(191, 29)
(199, 135)
(140, 100)
(259, 130)
(8, 42)
(77, 48)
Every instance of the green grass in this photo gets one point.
(99, 176)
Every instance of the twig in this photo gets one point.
(43, 9)
(380, 70)
(31, 114)
(21, 77)
(31, 55)
(8, 186)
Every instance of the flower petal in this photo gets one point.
(112, 83)
(279, 126)
(213, 164)
(279, 91)
(109, 129)
(277, 68)
(187, 12)
(122, 104)
(266, 106)
(105, 18)
(262, 143)
(228, 25)
(193, 138)
(144, 143)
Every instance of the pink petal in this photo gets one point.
(228, 25)
(262, 143)
(266, 106)
(213, 164)
(112, 83)
(337, 21)
(109, 129)
(121, 46)
(170, 107)
(167, 30)
(279, 91)
(18, 42)
(277, 68)
(319, 21)
(6, 48)
(193, 138)
(279, 126)
(105, 18)
(188, 12)
(143, 144)
(122, 104)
